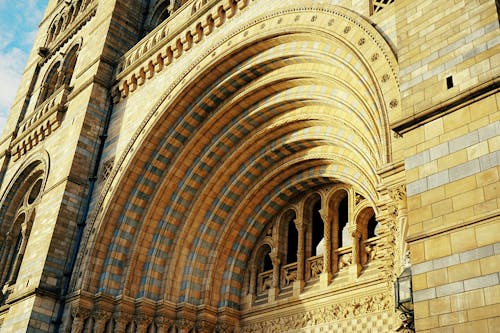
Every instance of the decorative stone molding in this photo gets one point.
(184, 325)
(142, 322)
(46, 118)
(80, 315)
(100, 317)
(121, 321)
(184, 41)
(64, 25)
(163, 324)
(224, 327)
(335, 312)
(204, 326)
(155, 52)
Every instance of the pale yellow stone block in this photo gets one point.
(433, 223)
(428, 169)
(432, 196)
(494, 143)
(488, 311)
(440, 305)
(484, 107)
(421, 309)
(456, 119)
(437, 247)
(460, 186)
(452, 160)
(420, 214)
(490, 264)
(442, 207)
(477, 150)
(463, 240)
(487, 177)
(492, 191)
(488, 233)
(475, 298)
(419, 281)
(464, 271)
(452, 318)
(486, 206)
(426, 323)
(414, 202)
(469, 327)
(492, 294)
(494, 324)
(417, 253)
(468, 199)
(437, 277)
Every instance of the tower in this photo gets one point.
(253, 166)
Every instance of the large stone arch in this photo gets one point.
(297, 98)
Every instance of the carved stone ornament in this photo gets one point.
(224, 328)
(204, 326)
(328, 314)
(184, 325)
(164, 322)
(79, 312)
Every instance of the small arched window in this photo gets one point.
(51, 82)
(69, 65)
(343, 217)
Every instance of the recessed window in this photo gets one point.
(35, 191)
(449, 82)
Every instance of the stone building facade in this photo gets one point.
(254, 166)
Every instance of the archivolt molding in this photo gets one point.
(294, 175)
(72, 16)
(159, 49)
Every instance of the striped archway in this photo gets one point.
(296, 99)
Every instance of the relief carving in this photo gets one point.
(331, 313)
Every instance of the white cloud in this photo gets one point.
(12, 64)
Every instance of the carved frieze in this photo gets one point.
(351, 308)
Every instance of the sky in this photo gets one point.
(19, 21)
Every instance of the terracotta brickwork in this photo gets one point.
(253, 166)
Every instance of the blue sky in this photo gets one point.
(19, 21)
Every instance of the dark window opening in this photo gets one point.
(317, 227)
(268, 264)
(449, 82)
(372, 225)
(343, 218)
(293, 240)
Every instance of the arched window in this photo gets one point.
(158, 12)
(310, 244)
(292, 239)
(264, 268)
(51, 83)
(343, 218)
(16, 219)
(69, 65)
(367, 224)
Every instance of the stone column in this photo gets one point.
(273, 292)
(204, 326)
(142, 323)
(80, 315)
(163, 324)
(326, 276)
(355, 268)
(298, 285)
(122, 319)
(184, 325)
(100, 317)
